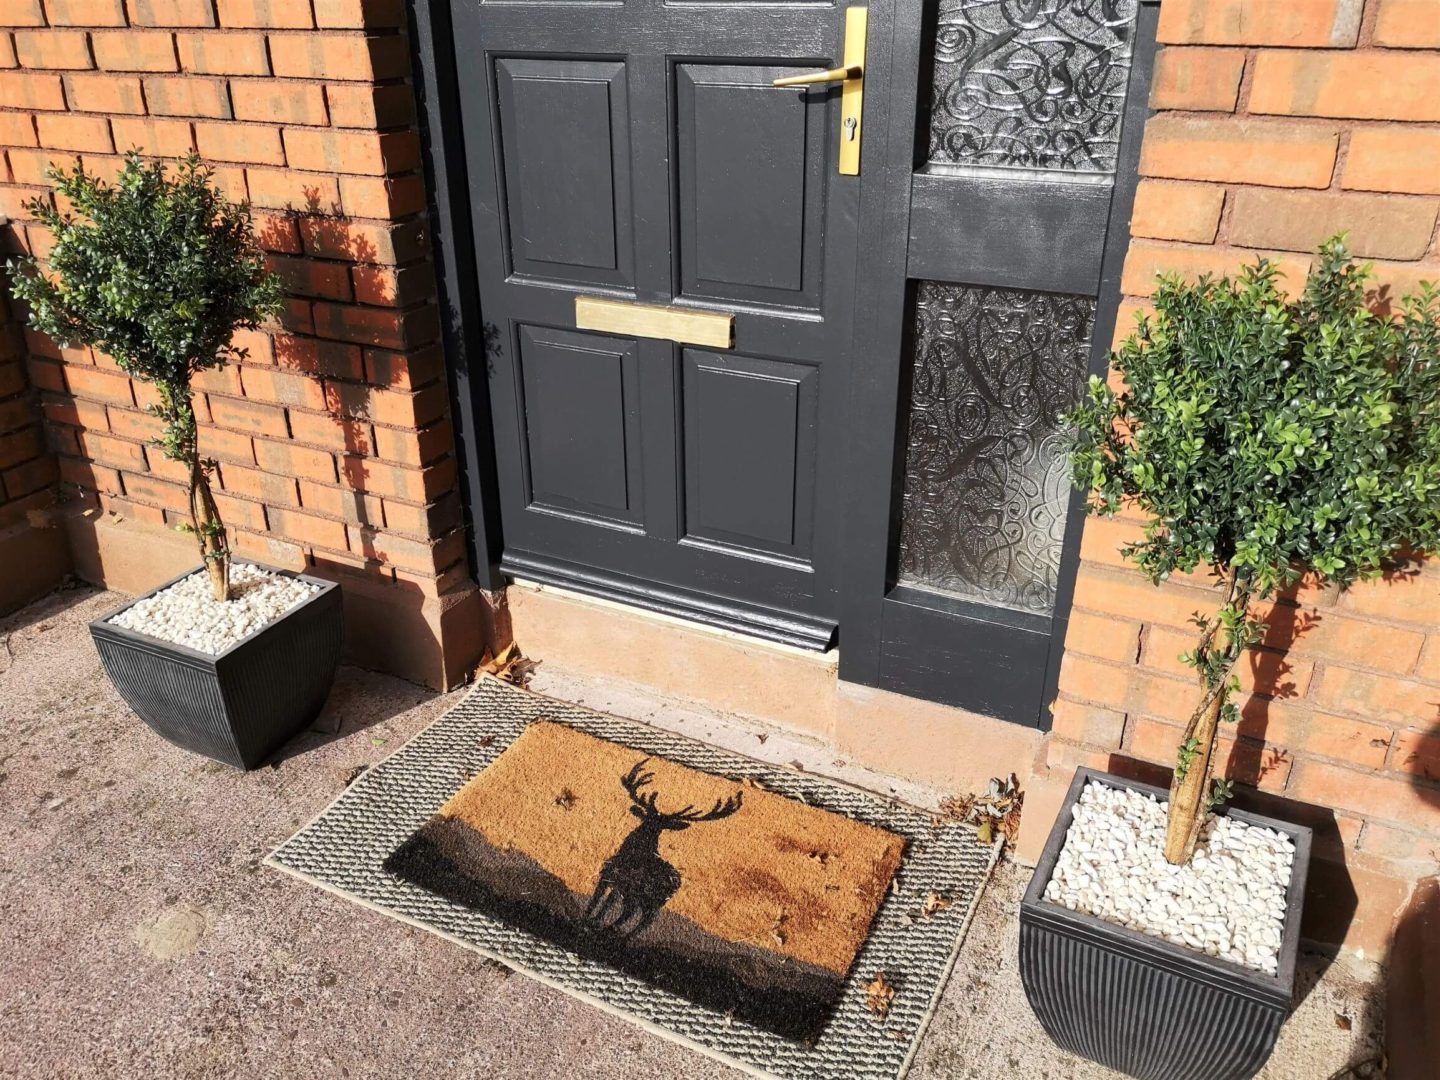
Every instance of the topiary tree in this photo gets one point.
(157, 270)
(1267, 439)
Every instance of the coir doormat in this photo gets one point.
(759, 914)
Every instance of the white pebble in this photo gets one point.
(1229, 901)
(187, 612)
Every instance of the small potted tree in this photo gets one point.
(158, 270)
(1268, 440)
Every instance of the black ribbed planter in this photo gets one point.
(241, 706)
(1144, 1006)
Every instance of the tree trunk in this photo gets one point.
(209, 532)
(1187, 796)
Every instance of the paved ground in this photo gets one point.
(140, 937)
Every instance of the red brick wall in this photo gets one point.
(334, 444)
(1278, 125)
(27, 471)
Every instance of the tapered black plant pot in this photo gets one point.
(1144, 1006)
(241, 705)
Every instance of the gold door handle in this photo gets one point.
(851, 77)
(839, 74)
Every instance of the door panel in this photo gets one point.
(563, 129)
(640, 153)
(751, 163)
(750, 442)
(582, 423)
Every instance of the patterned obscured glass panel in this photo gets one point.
(1032, 84)
(986, 477)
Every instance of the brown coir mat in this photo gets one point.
(741, 908)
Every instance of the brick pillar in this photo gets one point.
(333, 437)
(1279, 125)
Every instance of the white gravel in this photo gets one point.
(1228, 902)
(187, 612)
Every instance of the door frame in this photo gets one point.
(895, 125)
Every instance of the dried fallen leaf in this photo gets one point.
(934, 903)
(1343, 1022)
(565, 799)
(511, 665)
(986, 832)
(486, 741)
(879, 995)
(762, 737)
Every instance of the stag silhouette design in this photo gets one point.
(635, 882)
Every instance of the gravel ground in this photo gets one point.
(140, 937)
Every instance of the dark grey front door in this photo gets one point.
(637, 152)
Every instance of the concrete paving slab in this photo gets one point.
(140, 937)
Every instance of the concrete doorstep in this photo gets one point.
(144, 939)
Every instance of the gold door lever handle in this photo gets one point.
(839, 74)
(852, 96)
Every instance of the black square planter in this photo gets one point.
(1142, 1005)
(243, 704)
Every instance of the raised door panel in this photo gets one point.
(582, 425)
(750, 161)
(564, 144)
(750, 439)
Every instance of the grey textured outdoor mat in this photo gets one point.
(784, 998)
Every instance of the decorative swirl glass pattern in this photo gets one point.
(1034, 84)
(986, 476)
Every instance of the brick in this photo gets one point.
(30, 477)
(330, 238)
(20, 446)
(1103, 637)
(166, 138)
(105, 93)
(352, 506)
(265, 14)
(415, 448)
(54, 49)
(311, 277)
(1342, 84)
(404, 371)
(394, 286)
(1404, 844)
(353, 436)
(1354, 742)
(314, 357)
(1393, 159)
(278, 102)
(85, 12)
(292, 460)
(1261, 671)
(243, 143)
(1147, 259)
(1088, 724)
(225, 445)
(393, 481)
(99, 385)
(370, 107)
(87, 474)
(108, 451)
(1384, 698)
(385, 547)
(1244, 151)
(77, 412)
(1378, 226)
(282, 388)
(18, 129)
(1402, 596)
(309, 529)
(1197, 79)
(183, 13)
(135, 50)
(149, 489)
(1390, 798)
(8, 59)
(339, 56)
(223, 53)
(277, 232)
(1429, 665)
(382, 197)
(1295, 23)
(249, 417)
(26, 90)
(24, 13)
(254, 346)
(1418, 753)
(185, 95)
(382, 327)
(218, 380)
(352, 151)
(1309, 632)
(1408, 24)
(142, 427)
(1125, 594)
(283, 189)
(259, 484)
(1174, 211)
(358, 14)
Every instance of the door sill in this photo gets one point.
(787, 628)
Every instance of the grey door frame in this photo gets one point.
(991, 664)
